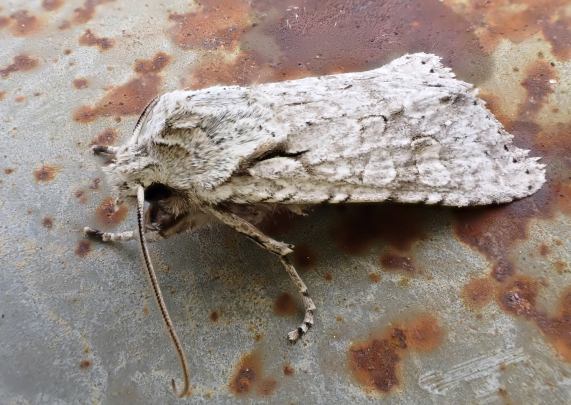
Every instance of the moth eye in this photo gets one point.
(157, 191)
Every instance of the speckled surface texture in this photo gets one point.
(415, 304)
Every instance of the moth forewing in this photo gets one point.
(408, 131)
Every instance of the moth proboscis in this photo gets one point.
(408, 132)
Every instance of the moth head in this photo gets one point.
(166, 205)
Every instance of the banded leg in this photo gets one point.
(125, 236)
(281, 250)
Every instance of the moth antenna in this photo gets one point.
(159, 297)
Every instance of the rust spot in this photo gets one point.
(478, 292)
(90, 39)
(288, 370)
(216, 24)
(360, 226)
(67, 52)
(23, 23)
(45, 173)
(376, 363)
(80, 83)
(504, 19)
(48, 222)
(84, 364)
(249, 376)
(20, 99)
(155, 65)
(375, 278)
(51, 5)
(21, 63)
(109, 214)
(328, 276)
(86, 13)
(2, 95)
(396, 262)
(80, 195)
(561, 267)
(538, 87)
(4, 21)
(304, 257)
(214, 316)
(130, 98)
(83, 248)
(518, 297)
(107, 137)
(9, 170)
(285, 305)
(544, 250)
(95, 183)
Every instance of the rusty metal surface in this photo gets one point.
(415, 304)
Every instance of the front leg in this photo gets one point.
(125, 236)
(282, 250)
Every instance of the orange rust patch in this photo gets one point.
(375, 278)
(90, 39)
(518, 296)
(518, 21)
(80, 83)
(45, 173)
(328, 276)
(2, 95)
(360, 226)
(155, 65)
(20, 99)
(376, 363)
(83, 248)
(538, 87)
(84, 14)
(9, 170)
(48, 222)
(107, 137)
(478, 292)
(544, 249)
(23, 23)
(21, 63)
(4, 21)
(109, 214)
(285, 305)
(214, 316)
(216, 24)
(304, 257)
(397, 262)
(249, 376)
(130, 98)
(51, 5)
(560, 266)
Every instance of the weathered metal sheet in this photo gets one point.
(415, 304)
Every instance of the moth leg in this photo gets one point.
(104, 150)
(282, 250)
(125, 236)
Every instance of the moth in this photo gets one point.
(408, 132)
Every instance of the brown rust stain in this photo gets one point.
(85, 13)
(48, 222)
(518, 21)
(288, 370)
(544, 250)
(376, 363)
(80, 195)
(20, 99)
(216, 24)
(249, 377)
(274, 41)
(359, 227)
(83, 248)
(391, 262)
(538, 85)
(20, 63)
(375, 278)
(106, 137)
(85, 364)
(9, 170)
(304, 257)
(80, 83)
(518, 297)
(51, 5)
(328, 276)
(478, 292)
(214, 316)
(285, 305)
(45, 173)
(132, 97)
(2, 95)
(21, 23)
(108, 213)
(90, 39)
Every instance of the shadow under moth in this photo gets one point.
(407, 132)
